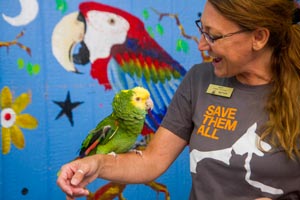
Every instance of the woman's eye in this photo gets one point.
(213, 37)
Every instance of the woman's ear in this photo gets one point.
(260, 38)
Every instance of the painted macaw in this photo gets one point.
(118, 132)
(122, 54)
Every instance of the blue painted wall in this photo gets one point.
(30, 172)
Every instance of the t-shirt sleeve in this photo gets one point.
(178, 118)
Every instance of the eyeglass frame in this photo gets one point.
(210, 39)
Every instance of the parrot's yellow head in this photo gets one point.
(133, 102)
(141, 98)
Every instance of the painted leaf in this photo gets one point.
(146, 14)
(182, 46)
(29, 68)
(150, 31)
(17, 137)
(20, 63)
(36, 69)
(61, 5)
(160, 29)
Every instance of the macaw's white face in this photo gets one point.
(103, 30)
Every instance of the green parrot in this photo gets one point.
(118, 132)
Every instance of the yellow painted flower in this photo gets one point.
(12, 120)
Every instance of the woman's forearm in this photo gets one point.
(128, 168)
(141, 168)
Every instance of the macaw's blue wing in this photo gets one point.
(150, 67)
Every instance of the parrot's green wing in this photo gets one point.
(97, 136)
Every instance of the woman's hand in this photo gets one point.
(74, 176)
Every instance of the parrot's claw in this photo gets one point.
(137, 152)
(113, 154)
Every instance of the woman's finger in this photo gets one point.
(77, 177)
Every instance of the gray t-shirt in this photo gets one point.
(222, 132)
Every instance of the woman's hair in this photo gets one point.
(283, 105)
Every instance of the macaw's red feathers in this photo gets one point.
(85, 7)
(151, 69)
(146, 130)
(134, 22)
(144, 56)
(99, 72)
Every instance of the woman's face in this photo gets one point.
(231, 55)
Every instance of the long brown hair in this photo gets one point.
(283, 105)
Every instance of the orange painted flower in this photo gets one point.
(12, 120)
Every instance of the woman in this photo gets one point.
(239, 114)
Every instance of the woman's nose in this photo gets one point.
(203, 44)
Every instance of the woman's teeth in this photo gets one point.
(216, 60)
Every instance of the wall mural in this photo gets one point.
(63, 61)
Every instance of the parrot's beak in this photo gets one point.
(66, 34)
(149, 104)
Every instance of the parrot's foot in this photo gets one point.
(113, 154)
(158, 187)
(137, 152)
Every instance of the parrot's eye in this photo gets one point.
(111, 21)
(137, 98)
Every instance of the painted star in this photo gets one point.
(67, 106)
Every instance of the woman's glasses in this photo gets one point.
(211, 39)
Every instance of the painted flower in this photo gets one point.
(12, 120)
